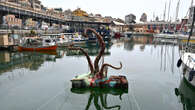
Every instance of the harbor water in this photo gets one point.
(41, 81)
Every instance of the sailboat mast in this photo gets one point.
(177, 10)
(164, 16)
(192, 3)
(192, 27)
(169, 10)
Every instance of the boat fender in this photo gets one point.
(179, 62)
(177, 92)
(191, 75)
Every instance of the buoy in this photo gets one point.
(179, 62)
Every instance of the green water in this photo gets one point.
(41, 81)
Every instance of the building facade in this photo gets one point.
(12, 21)
(79, 12)
(143, 17)
(129, 19)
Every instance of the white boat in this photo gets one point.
(78, 39)
(188, 58)
(60, 39)
(188, 61)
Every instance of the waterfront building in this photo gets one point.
(43, 8)
(143, 17)
(117, 26)
(129, 19)
(98, 15)
(6, 40)
(52, 12)
(97, 18)
(157, 27)
(36, 4)
(79, 12)
(120, 20)
(68, 15)
(12, 21)
(22, 3)
(30, 23)
(108, 19)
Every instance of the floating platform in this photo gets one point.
(86, 81)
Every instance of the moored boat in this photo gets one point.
(37, 44)
(188, 61)
(41, 48)
(188, 58)
(186, 94)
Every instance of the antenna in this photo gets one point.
(177, 10)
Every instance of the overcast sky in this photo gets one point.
(120, 8)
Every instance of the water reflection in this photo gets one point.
(186, 94)
(10, 61)
(143, 40)
(164, 49)
(98, 95)
(92, 50)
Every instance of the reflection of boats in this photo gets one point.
(29, 60)
(165, 41)
(92, 51)
(100, 94)
(187, 95)
(36, 44)
(166, 36)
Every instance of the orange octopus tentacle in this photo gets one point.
(105, 64)
(102, 45)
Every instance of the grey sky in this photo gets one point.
(120, 8)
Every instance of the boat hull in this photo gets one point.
(45, 48)
(188, 65)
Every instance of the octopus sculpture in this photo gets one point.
(97, 76)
